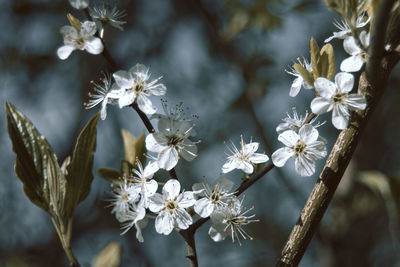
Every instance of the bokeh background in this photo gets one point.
(225, 60)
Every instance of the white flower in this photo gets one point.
(245, 158)
(304, 147)
(134, 86)
(299, 81)
(104, 15)
(230, 220)
(171, 141)
(294, 123)
(336, 97)
(82, 39)
(215, 197)
(79, 4)
(170, 207)
(344, 28)
(143, 181)
(123, 199)
(357, 54)
(134, 217)
(101, 95)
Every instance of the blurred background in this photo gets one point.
(225, 60)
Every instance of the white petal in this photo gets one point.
(320, 105)
(296, 86)
(350, 46)
(352, 64)
(150, 188)
(217, 233)
(186, 199)
(246, 167)
(282, 127)
(88, 28)
(94, 45)
(289, 138)
(304, 166)
(139, 69)
(157, 202)
(258, 158)
(203, 207)
(280, 156)
(182, 220)
(189, 150)
(69, 31)
(150, 169)
(308, 134)
(123, 79)
(229, 166)
(127, 99)
(356, 102)
(225, 184)
(344, 82)
(171, 189)
(325, 87)
(250, 148)
(158, 89)
(103, 112)
(340, 117)
(316, 150)
(164, 223)
(168, 158)
(153, 143)
(145, 104)
(364, 38)
(64, 51)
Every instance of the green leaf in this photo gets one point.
(327, 63)
(33, 152)
(79, 171)
(110, 175)
(57, 187)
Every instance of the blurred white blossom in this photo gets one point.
(344, 29)
(357, 54)
(104, 14)
(79, 4)
(299, 82)
(80, 38)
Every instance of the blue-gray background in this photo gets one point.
(233, 78)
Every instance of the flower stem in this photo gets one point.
(188, 235)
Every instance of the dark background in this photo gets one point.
(225, 60)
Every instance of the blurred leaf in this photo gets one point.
(329, 61)
(134, 147)
(110, 174)
(126, 167)
(74, 22)
(33, 151)
(110, 256)
(80, 175)
(314, 52)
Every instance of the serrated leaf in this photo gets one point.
(110, 175)
(314, 52)
(110, 256)
(79, 172)
(307, 76)
(328, 61)
(32, 150)
(133, 147)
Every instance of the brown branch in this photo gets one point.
(343, 149)
(188, 235)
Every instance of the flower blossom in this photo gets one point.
(123, 198)
(172, 140)
(230, 220)
(295, 122)
(170, 207)
(336, 97)
(133, 86)
(80, 36)
(212, 198)
(245, 158)
(357, 54)
(134, 217)
(344, 28)
(79, 4)
(303, 146)
(143, 182)
(106, 15)
(299, 81)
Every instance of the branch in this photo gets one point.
(344, 147)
